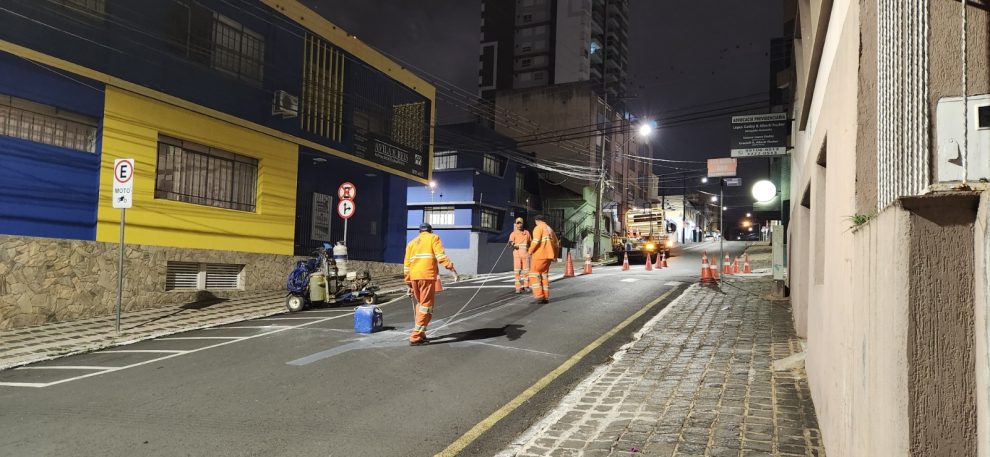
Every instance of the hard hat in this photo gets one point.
(424, 227)
(519, 220)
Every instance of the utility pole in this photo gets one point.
(597, 242)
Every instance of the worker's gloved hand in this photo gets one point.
(456, 277)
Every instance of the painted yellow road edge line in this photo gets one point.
(468, 437)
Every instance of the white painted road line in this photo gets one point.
(64, 367)
(247, 327)
(138, 351)
(174, 338)
(173, 354)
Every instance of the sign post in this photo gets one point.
(123, 194)
(721, 168)
(345, 208)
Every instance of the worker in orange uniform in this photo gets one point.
(420, 269)
(544, 251)
(519, 242)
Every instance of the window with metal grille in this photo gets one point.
(493, 164)
(408, 120)
(46, 124)
(438, 215)
(203, 276)
(490, 219)
(94, 8)
(193, 173)
(237, 50)
(445, 160)
(322, 109)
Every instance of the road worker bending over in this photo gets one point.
(519, 242)
(421, 270)
(544, 251)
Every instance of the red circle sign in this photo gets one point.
(123, 171)
(347, 191)
(346, 208)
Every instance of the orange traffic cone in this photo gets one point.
(726, 266)
(665, 260)
(649, 264)
(437, 286)
(714, 268)
(746, 268)
(706, 272)
(587, 265)
(625, 262)
(658, 265)
(735, 266)
(569, 269)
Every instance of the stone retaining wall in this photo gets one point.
(53, 280)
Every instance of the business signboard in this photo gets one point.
(759, 135)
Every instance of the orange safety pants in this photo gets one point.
(424, 294)
(539, 278)
(520, 263)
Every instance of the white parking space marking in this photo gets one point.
(151, 351)
(199, 338)
(168, 354)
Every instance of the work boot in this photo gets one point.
(543, 301)
(422, 342)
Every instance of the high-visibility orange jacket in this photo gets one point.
(545, 243)
(422, 255)
(520, 239)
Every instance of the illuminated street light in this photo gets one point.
(725, 208)
(433, 184)
(704, 180)
(714, 198)
(749, 215)
(645, 129)
(764, 191)
(751, 229)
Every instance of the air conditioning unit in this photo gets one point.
(949, 138)
(285, 105)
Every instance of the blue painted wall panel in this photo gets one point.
(47, 191)
(39, 83)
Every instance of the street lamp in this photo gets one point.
(644, 131)
(764, 191)
(704, 179)
(714, 198)
(749, 214)
(433, 189)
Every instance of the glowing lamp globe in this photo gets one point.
(764, 191)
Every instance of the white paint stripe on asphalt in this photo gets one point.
(673, 283)
(510, 286)
(534, 351)
(290, 318)
(198, 338)
(138, 351)
(246, 327)
(179, 353)
(22, 384)
(628, 280)
(64, 367)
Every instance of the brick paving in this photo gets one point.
(697, 382)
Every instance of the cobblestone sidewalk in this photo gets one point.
(697, 382)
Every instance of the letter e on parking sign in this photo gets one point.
(123, 183)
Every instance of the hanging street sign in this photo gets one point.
(123, 183)
(720, 168)
(733, 182)
(759, 135)
(347, 191)
(346, 208)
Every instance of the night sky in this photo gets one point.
(687, 58)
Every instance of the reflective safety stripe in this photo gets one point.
(535, 286)
(421, 256)
(419, 328)
(441, 256)
(426, 309)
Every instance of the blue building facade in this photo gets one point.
(481, 183)
(76, 79)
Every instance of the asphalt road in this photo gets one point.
(307, 385)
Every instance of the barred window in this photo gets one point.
(322, 110)
(438, 215)
(201, 175)
(237, 50)
(493, 164)
(408, 120)
(445, 160)
(46, 124)
(489, 219)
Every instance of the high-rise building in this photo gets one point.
(536, 43)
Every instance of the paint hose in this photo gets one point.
(482, 286)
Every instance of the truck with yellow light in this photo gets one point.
(646, 233)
